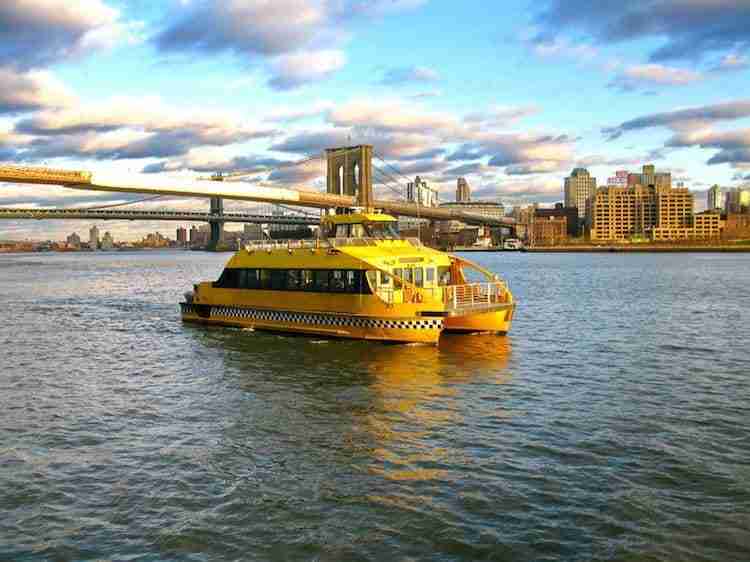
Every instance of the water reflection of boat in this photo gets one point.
(421, 392)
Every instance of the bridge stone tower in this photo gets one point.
(217, 208)
(350, 173)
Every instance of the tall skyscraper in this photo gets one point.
(463, 191)
(94, 238)
(580, 188)
(715, 198)
(419, 192)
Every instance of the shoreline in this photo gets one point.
(591, 249)
(641, 249)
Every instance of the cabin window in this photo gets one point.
(444, 276)
(265, 279)
(293, 279)
(353, 280)
(385, 279)
(357, 231)
(409, 274)
(429, 275)
(398, 272)
(320, 277)
(307, 280)
(278, 279)
(337, 281)
(242, 278)
(252, 279)
(418, 277)
(343, 230)
(229, 279)
(314, 280)
(385, 230)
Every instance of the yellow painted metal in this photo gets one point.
(497, 321)
(358, 218)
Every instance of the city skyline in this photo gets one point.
(530, 92)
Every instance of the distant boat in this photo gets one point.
(512, 244)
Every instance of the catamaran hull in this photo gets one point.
(497, 321)
(398, 330)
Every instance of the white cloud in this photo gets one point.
(296, 69)
(391, 115)
(36, 33)
(641, 76)
(26, 91)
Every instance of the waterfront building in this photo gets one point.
(155, 240)
(737, 227)
(524, 217)
(715, 198)
(463, 191)
(94, 238)
(491, 209)
(707, 224)
(548, 230)
(580, 188)
(182, 236)
(570, 214)
(73, 240)
(649, 212)
(649, 176)
(108, 243)
(738, 200)
(421, 193)
(620, 179)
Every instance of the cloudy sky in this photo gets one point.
(511, 95)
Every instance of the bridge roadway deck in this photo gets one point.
(184, 216)
(146, 184)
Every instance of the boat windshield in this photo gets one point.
(386, 230)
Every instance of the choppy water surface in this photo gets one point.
(611, 425)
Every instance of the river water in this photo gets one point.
(612, 424)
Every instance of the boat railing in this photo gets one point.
(270, 245)
(475, 295)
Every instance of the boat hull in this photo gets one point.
(497, 321)
(392, 329)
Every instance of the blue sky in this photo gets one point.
(512, 94)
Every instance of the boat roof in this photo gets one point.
(358, 218)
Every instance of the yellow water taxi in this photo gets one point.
(358, 279)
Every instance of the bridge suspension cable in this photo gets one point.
(384, 161)
(142, 200)
(239, 174)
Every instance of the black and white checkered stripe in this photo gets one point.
(319, 319)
